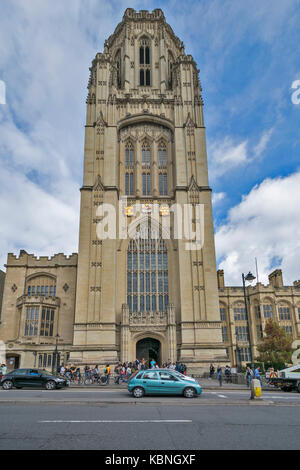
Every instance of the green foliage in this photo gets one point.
(276, 347)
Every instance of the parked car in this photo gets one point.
(20, 378)
(163, 382)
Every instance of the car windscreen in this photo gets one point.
(178, 374)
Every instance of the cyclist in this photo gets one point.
(73, 370)
(95, 373)
(77, 375)
(68, 373)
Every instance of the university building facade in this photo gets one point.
(148, 296)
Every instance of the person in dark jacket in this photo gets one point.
(220, 375)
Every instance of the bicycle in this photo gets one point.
(92, 380)
(103, 380)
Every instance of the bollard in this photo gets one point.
(255, 388)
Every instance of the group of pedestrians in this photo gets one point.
(121, 372)
(227, 373)
(179, 367)
(253, 374)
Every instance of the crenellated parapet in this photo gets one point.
(31, 261)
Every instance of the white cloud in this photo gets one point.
(34, 220)
(226, 155)
(217, 197)
(265, 225)
(263, 142)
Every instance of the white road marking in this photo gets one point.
(222, 396)
(121, 421)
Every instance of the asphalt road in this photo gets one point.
(139, 427)
(112, 419)
(111, 396)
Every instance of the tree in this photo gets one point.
(276, 346)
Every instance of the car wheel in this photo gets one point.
(50, 385)
(298, 387)
(189, 392)
(7, 385)
(138, 392)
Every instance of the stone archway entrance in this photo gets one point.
(148, 348)
(12, 361)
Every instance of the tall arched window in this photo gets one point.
(40, 315)
(145, 71)
(146, 172)
(118, 66)
(162, 169)
(129, 169)
(147, 275)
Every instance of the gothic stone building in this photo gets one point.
(122, 298)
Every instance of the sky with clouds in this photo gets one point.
(248, 56)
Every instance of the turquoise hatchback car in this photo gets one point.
(163, 382)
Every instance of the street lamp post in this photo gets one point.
(55, 355)
(248, 278)
(237, 353)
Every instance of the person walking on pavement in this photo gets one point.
(249, 376)
(228, 374)
(257, 375)
(211, 371)
(220, 375)
(107, 373)
(117, 373)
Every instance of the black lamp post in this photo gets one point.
(248, 278)
(55, 355)
(237, 354)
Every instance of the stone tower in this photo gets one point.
(145, 140)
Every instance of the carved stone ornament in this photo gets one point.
(148, 318)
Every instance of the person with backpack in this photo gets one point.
(107, 373)
(228, 374)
